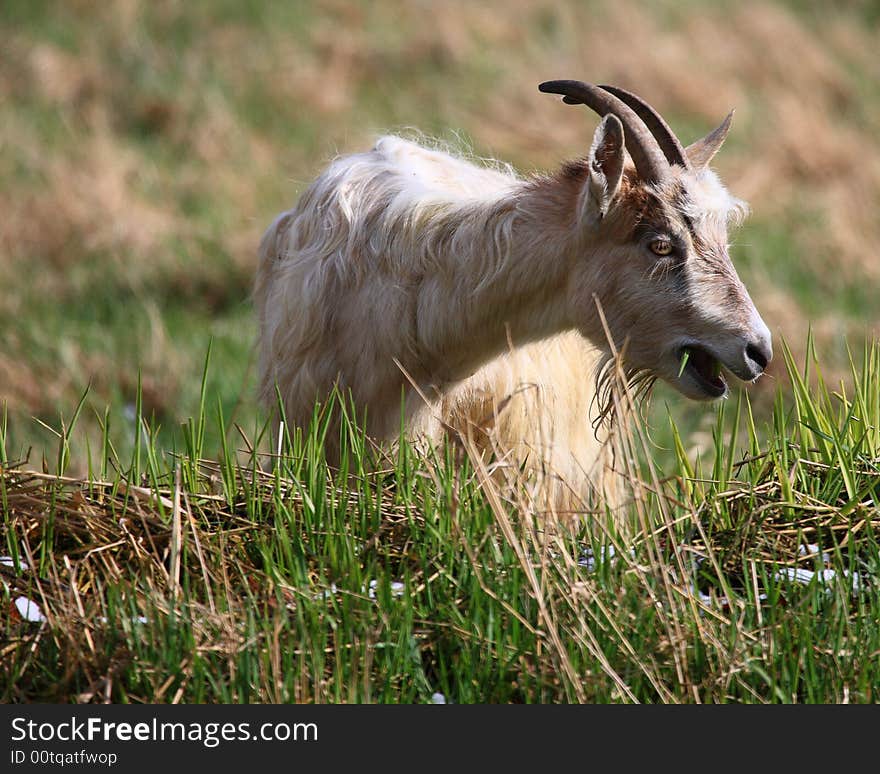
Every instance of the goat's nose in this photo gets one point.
(758, 354)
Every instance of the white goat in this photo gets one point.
(473, 295)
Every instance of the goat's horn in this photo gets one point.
(666, 139)
(646, 153)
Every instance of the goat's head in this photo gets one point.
(670, 294)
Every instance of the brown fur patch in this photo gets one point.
(574, 171)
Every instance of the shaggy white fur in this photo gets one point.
(409, 273)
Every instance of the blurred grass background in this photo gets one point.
(144, 147)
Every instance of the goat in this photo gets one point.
(479, 298)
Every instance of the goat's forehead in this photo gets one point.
(695, 200)
(703, 199)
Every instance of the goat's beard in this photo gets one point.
(619, 388)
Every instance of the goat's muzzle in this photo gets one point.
(702, 363)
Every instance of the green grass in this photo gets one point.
(242, 577)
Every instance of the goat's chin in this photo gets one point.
(611, 378)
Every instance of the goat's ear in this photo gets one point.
(605, 168)
(700, 153)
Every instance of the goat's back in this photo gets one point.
(335, 287)
(336, 295)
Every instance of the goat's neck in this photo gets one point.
(510, 286)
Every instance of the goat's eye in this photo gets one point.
(661, 247)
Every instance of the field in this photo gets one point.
(146, 146)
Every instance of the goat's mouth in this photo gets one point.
(704, 369)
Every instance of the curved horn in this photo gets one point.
(646, 153)
(666, 139)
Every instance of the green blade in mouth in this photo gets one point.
(685, 356)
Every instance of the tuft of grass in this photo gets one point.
(749, 574)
